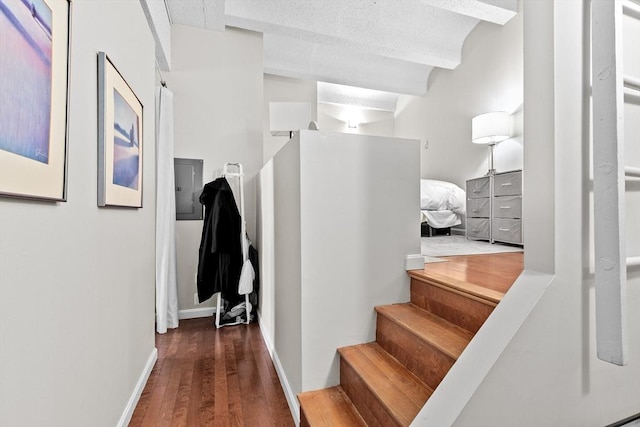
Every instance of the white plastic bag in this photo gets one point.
(246, 278)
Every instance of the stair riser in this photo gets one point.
(425, 361)
(369, 407)
(461, 310)
(303, 419)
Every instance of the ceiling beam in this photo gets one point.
(406, 30)
(348, 95)
(312, 61)
(495, 11)
(158, 19)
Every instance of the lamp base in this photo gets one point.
(492, 171)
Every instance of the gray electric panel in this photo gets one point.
(188, 175)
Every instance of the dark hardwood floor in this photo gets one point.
(225, 377)
(209, 377)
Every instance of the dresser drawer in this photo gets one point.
(507, 230)
(507, 184)
(478, 208)
(478, 228)
(507, 207)
(478, 187)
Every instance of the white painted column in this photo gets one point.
(608, 181)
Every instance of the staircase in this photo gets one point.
(387, 382)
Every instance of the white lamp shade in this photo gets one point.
(490, 128)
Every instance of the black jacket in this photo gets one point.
(220, 261)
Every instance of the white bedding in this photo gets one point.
(442, 204)
(440, 219)
(441, 196)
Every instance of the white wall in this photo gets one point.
(266, 246)
(285, 89)
(488, 79)
(354, 240)
(330, 117)
(335, 117)
(287, 269)
(280, 266)
(549, 374)
(77, 281)
(217, 83)
(341, 226)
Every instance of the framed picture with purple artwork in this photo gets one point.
(119, 139)
(34, 82)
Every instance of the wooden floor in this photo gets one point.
(225, 377)
(496, 272)
(209, 377)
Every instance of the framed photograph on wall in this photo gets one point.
(119, 139)
(34, 94)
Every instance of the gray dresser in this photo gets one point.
(494, 208)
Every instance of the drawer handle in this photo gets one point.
(504, 229)
(505, 207)
(507, 184)
(475, 210)
(476, 191)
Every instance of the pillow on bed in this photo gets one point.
(441, 195)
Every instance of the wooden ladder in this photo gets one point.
(609, 87)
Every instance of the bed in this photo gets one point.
(442, 206)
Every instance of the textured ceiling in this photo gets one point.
(387, 45)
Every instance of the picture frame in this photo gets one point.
(120, 139)
(35, 39)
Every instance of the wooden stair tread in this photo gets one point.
(329, 407)
(445, 336)
(479, 293)
(397, 388)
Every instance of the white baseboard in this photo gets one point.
(265, 337)
(288, 393)
(137, 391)
(414, 262)
(195, 313)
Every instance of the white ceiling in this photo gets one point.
(386, 45)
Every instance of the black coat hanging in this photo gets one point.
(220, 253)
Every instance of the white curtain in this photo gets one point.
(166, 281)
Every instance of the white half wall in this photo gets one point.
(218, 118)
(358, 198)
(77, 282)
(488, 79)
(339, 212)
(288, 328)
(266, 252)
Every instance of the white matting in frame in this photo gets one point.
(120, 139)
(34, 47)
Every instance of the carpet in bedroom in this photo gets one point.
(459, 245)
